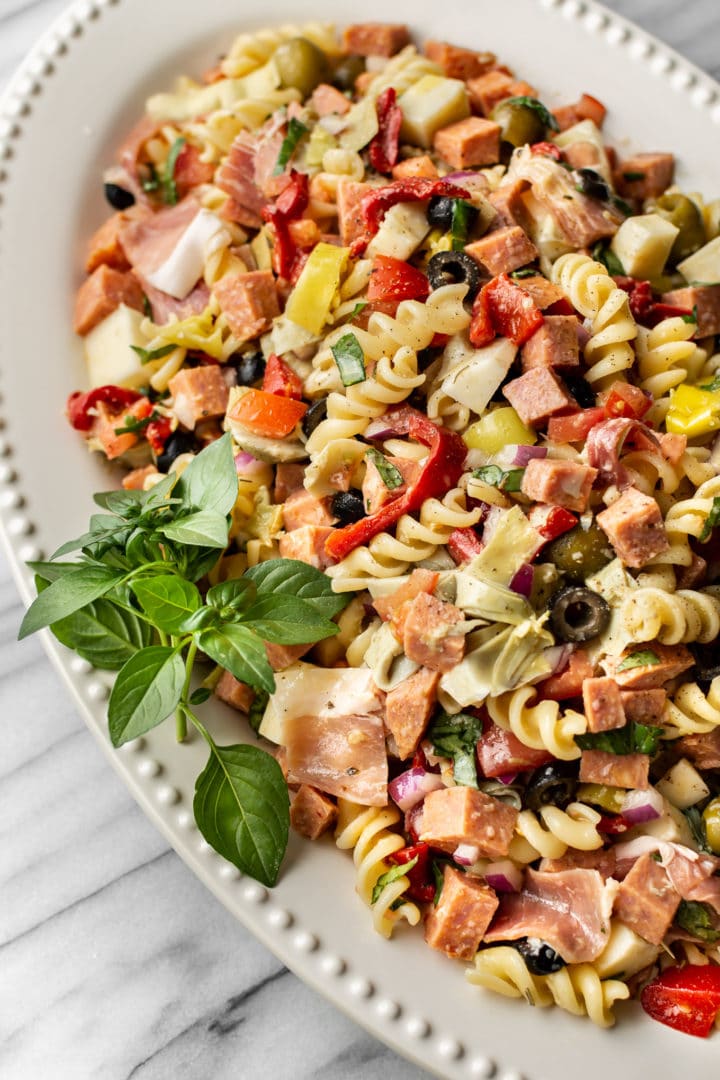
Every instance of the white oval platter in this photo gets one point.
(80, 88)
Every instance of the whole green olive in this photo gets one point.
(685, 215)
(347, 71)
(301, 65)
(519, 123)
(580, 552)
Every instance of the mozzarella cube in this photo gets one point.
(109, 354)
(643, 243)
(703, 266)
(682, 785)
(431, 103)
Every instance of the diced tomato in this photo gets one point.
(421, 888)
(568, 683)
(190, 171)
(589, 108)
(624, 399)
(268, 415)
(575, 427)
(393, 279)
(503, 307)
(464, 544)
(499, 753)
(157, 433)
(551, 521)
(547, 149)
(685, 998)
(279, 378)
(613, 824)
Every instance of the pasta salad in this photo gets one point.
(413, 383)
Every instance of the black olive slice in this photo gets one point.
(348, 506)
(551, 785)
(315, 415)
(118, 197)
(578, 614)
(540, 958)
(454, 268)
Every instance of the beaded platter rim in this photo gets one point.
(261, 911)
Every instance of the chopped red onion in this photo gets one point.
(414, 822)
(411, 787)
(507, 778)
(522, 581)
(504, 876)
(558, 656)
(380, 429)
(525, 454)
(466, 854)
(641, 806)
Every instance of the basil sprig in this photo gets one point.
(641, 658)
(711, 520)
(634, 738)
(389, 474)
(505, 480)
(169, 185)
(295, 132)
(457, 737)
(350, 359)
(129, 602)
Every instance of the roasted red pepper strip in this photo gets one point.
(645, 309)
(79, 404)
(279, 378)
(463, 545)
(624, 399)
(421, 887)
(289, 205)
(157, 433)
(685, 998)
(394, 279)
(376, 203)
(384, 148)
(441, 471)
(547, 149)
(503, 307)
(551, 521)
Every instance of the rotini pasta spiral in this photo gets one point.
(650, 614)
(250, 51)
(553, 831)
(666, 356)
(691, 712)
(541, 726)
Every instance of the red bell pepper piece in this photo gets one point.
(441, 471)
(685, 998)
(79, 404)
(645, 309)
(613, 824)
(157, 433)
(503, 307)
(624, 399)
(500, 753)
(551, 521)
(394, 279)
(421, 888)
(289, 205)
(547, 149)
(269, 415)
(279, 378)
(377, 202)
(576, 426)
(385, 147)
(463, 545)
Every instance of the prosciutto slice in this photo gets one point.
(605, 443)
(691, 874)
(149, 242)
(236, 177)
(570, 910)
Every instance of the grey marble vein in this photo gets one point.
(115, 962)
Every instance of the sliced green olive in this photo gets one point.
(519, 123)
(578, 614)
(711, 818)
(347, 72)
(685, 215)
(301, 65)
(580, 552)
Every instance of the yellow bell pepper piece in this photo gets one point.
(310, 300)
(496, 430)
(693, 411)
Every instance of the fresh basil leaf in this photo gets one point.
(489, 474)
(203, 619)
(350, 359)
(51, 571)
(148, 688)
(202, 529)
(141, 549)
(242, 809)
(697, 919)
(159, 495)
(711, 520)
(257, 709)
(148, 355)
(240, 651)
(463, 213)
(510, 480)
(527, 272)
(168, 600)
(69, 593)
(357, 310)
(93, 536)
(236, 594)
(104, 634)
(697, 827)
(645, 738)
(642, 658)
(290, 577)
(693, 318)
(622, 206)
(537, 106)
(391, 476)
(200, 696)
(634, 738)
(438, 871)
(121, 503)
(604, 254)
(210, 481)
(287, 620)
(295, 132)
(389, 876)
(630, 176)
(169, 186)
(457, 737)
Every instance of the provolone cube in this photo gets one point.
(643, 243)
(109, 354)
(429, 104)
(703, 266)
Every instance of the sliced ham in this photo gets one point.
(199, 393)
(236, 177)
(667, 662)
(458, 63)
(537, 395)
(165, 307)
(463, 815)
(503, 250)
(615, 770)
(470, 142)
(457, 923)
(554, 345)
(375, 38)
(600, 860)
(603, 705)
(235, 693)
(151, 240)
(249, 302)
(105, 247)
(100, 294)
(569, 910)
(282, 656)
(561, 483)
(644, 706)
(389, 608)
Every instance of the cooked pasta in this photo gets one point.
(542, 726)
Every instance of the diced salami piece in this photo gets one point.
(472, 141)
(409, 707)
(135, 479)
(705, 300)
(488, 90)
(587, 108)
(312, 813)
(105, 246)
(665, 663)
(582, 155)
(419, 581)
(165, 307)
(235, 693)
(562, 483)
(150, 240)
(302, 508)
(199, 393)
(644, 706)
(464, 815)
(672, 447)
(327, 99)
(282, 656)
(702, 750)
(459, 63)
(508, 204)
(543, 292)
(104, 291)
(617, 770)
(646, 900)
(375, 491)
(351, 223)
(110, 426)
(600, 860)
(376, 39)
(569, 909)
(537, 395)
(645, 176)
(503, 250)
(554, 345)
(603, 704)
(249, 302)
(422, 166)
(307, 544)
(430, 633)
(634, 526)
(288, 478)
(568, 683)
(463, 913)
(236, 178)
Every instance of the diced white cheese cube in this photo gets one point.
(703, 266)
(625, 953)
(643, 243)
(683, 785)
(110, 358)
(432, 103)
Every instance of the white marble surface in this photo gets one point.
(114, 960)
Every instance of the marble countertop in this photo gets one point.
(115, 962)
